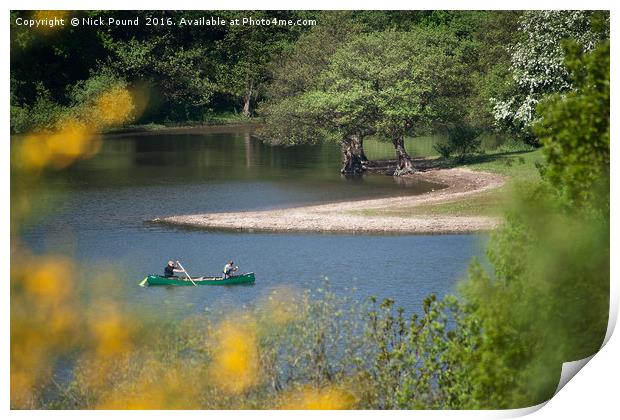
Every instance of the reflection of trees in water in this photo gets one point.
(247, 142)
(405, 182)
(146, 158)
(408, 182)
(352, 178)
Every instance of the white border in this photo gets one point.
(593, 393)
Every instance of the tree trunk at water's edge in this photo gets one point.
(353, 157)
(404, 165)
(359, 144)
(247, 97)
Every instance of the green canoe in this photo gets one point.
(157, 280)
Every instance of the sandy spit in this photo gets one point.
(343, 217)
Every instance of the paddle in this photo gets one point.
(185, 271)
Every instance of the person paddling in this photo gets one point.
(229, 269)
(171, 269)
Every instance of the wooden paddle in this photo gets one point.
(185, 271)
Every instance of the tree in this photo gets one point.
(176, 63)
(490, 68)
(288, 114)
(343, 117)
(245, 51)
(49, 60)
(537, 62)
(392, 84)
(191, 69)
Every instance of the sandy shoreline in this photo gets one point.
(342, 217)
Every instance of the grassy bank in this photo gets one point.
(220, 119)
(517, 166)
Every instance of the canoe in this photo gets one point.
(157, 280)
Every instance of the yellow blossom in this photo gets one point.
(310, 398)
(235, 365)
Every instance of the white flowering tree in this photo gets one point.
(537, 61)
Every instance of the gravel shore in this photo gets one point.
(344, 217)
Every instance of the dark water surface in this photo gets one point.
(96, 212)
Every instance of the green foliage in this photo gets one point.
(42, 115)
(45, 113)
(391, 83)
(546, 301)
(190, 69)
(430, 55)
(435, 358)
(296, 71)
(180, 76)
(490, 72)
(381, 357)
(538, 62)
(211, 117)
(575, 130)
(245, 52)
(85, 92)
(462, 140)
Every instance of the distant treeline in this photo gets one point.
(337, 75)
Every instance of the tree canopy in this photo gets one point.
(538, 61)
(390, 84)
(191, 70)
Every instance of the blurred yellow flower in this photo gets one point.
(43, 319)
(79, 137)
(235, 365)
(112, 331)
(51, 279)
(310, 398)
(114, 107)
(33, 153)
(21, 385)
(151, 384)
(71, 141)
(48, 319)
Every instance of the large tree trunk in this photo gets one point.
(352, 153)
(357, 144)
(247, 97)
(404, 165)
(358, 147)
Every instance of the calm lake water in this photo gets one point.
(97, 211)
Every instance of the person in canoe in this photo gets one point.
(229, 269)
(171, 269)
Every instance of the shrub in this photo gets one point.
(42, 115)
(102, 100)
(462, 140)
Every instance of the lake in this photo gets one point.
(97, 212)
